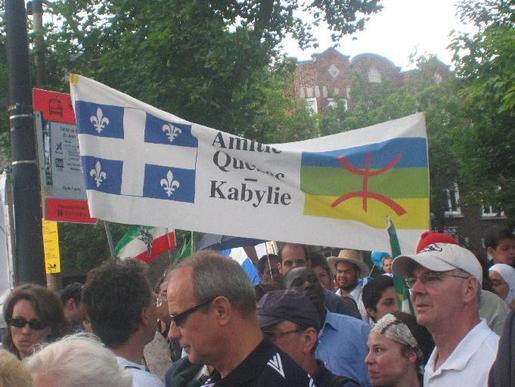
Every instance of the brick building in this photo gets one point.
(328, 78)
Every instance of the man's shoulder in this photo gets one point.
(140, 376)
(341, 321)
(266, 366)
(281, 370)
(340, 305)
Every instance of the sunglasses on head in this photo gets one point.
(20, 322)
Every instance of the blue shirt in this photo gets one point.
(342, 347)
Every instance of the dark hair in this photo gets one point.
(420, 333)
(318, 260)
(114, 295)
(494, 234)
(262, 264)
(47, 306)
(214, 275)
(303, 247)
(71, 291)
(374, 289)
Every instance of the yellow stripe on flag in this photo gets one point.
(352, 209)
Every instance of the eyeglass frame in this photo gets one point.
(437, 276)
(274, 336)
(20, 322)
(180, 318)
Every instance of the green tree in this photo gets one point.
(484, 62)
(374, 103)
(215, 63)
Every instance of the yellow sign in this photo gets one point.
(51, 246)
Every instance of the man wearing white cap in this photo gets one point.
(445, 281)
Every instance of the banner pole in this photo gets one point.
(109, 238)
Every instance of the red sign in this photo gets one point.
(68, 210)
(55, 106)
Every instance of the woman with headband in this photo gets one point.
(398, 349)
(503, 282)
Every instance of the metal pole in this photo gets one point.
(25, 174)
(39, 57)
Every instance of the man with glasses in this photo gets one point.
(122, 309)
(213, 311)
(291, 321)
(445, 283)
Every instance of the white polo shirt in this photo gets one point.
(469, 363)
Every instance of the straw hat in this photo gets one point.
(350, 256)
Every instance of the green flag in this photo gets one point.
(401, 289)
(186, 251)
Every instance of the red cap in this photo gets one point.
(429, 237)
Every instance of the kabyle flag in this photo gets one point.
(145, 166)
(145, 243)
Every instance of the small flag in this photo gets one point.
(401, 290)
(145, 243)
(185, 251)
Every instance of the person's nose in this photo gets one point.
(369, 359)
(418, 287)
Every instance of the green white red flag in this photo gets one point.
(145, 243)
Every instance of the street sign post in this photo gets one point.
(64, 196)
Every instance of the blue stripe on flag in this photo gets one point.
(412, 151)
(164, 132)
(169, 183)
(99, 120)
(102, 174)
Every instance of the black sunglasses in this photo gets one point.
(20, 322)
(179, 319)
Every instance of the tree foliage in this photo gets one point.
(486, 143)
(214, 63)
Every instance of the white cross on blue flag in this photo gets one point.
(112, 165)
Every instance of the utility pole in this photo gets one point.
(29, 261)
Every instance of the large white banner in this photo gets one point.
(146, 166)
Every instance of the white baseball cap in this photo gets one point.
(439, 257)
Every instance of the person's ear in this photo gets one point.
(223, 309)
(372, 312)
(471, 289)
(411, 356)
(310, 336)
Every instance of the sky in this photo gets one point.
(400, 29)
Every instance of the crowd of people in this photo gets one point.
(312, 321)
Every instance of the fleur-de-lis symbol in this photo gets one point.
(99, 121)
(171, 131)
(98, 174)
(169, 184)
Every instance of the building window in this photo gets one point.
(437, 78)
(333, 104)
(452, 207)
(311, 104)
(374, 76)
(489, 211)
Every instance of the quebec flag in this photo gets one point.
(136, 153)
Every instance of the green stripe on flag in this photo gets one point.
(335, 182)
(132, 233)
